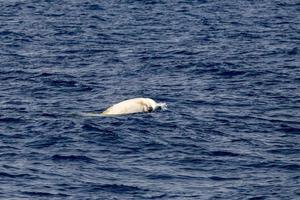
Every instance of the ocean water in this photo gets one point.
(228, 70)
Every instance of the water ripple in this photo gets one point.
(228, 70)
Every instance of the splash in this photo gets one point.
(162, 106)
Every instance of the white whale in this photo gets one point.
(136, 105)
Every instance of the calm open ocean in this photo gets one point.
(228, 70)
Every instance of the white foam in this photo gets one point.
(162, 105)
(91, 114)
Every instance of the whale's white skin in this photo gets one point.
(130, 106)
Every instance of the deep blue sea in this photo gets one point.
(228, 70)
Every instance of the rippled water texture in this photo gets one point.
(228, 70)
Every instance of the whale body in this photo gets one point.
(130, 106)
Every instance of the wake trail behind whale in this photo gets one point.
(91, 114)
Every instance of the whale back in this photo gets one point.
(130, 106)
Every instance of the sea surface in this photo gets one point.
(228, 70)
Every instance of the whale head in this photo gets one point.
(151, 105)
